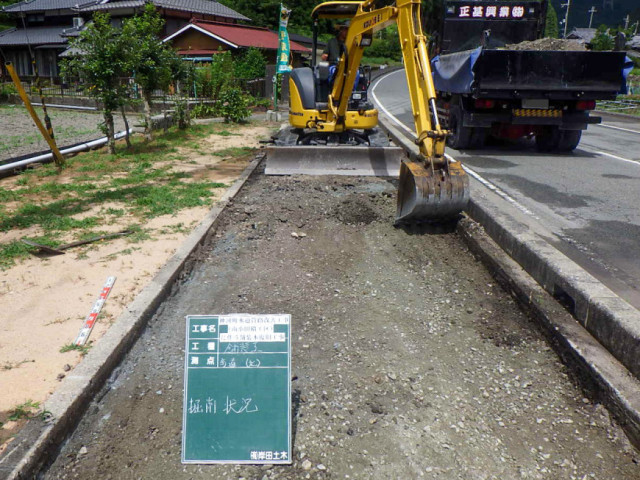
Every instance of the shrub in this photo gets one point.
(216, 76)
(7, 89)
(203, 110)
(251, 64)
(234, 106)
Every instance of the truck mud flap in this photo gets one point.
(334, 160)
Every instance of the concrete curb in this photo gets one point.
(38, 441)
(611, 360)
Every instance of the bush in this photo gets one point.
(203, 110)
(7, 89)
(234, 106)
(182, 113)
(602, 39)
(251, 64)
(215, 77)
(386, 44)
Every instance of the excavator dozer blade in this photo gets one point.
(334, 160)
(424, 195)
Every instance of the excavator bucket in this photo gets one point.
(334, 160)
(425, 195)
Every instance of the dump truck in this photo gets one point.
(486, 87)
(331, 130)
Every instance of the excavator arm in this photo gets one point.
(432, 186)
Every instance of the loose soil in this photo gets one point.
(549, 44)
(44, 301)
(408, 360)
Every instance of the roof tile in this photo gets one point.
(33, 36)
(208, 7)
(244, 36)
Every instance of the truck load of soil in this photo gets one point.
(551, 44)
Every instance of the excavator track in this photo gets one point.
(425, 195)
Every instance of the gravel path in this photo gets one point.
(20, 136)
(408, 360)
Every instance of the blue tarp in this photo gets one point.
(454, 72)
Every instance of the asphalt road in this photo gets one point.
(588, 199)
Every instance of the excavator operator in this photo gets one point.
(334, 49)
(335, 46)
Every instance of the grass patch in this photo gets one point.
(96, 189)
(234, 152)
(72, 347)
(24, 410)
(12, 251)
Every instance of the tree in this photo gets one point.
(155, 64)
(5, 20)
(602, 40)
(250, 65)
(102, 61)
(551, 26)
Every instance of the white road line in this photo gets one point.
(622, 159)
(471, 172)
(617, 128)
(387, 112)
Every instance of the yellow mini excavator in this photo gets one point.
(334, 124)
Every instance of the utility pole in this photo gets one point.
(566, 17)
(626, 21)
(592, 11)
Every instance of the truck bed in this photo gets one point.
(531, 74)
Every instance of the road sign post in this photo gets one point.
(237, 395)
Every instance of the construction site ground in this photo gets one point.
(409, 361)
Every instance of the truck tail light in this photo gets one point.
(586, 105)
(485, 103)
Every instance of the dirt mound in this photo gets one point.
(356, 211)
(550, 44)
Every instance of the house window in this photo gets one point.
(35, 18)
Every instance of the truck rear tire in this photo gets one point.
(460, 137)
(548, 139)
(552, 139)
(569, 140)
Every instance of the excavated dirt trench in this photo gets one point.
(408, 360)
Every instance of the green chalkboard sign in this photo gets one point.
(237, 389)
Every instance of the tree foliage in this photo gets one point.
(103, 59)
(251, 64)
(266, 13)
(216, 76)
(602, 39)
(155, 64)
(386, 44)
(5, 20)
(551, 26)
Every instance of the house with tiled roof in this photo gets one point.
(43, 27)
(200, 40)
(583, 35)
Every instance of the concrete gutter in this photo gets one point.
(596, 331)
(39, 441)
